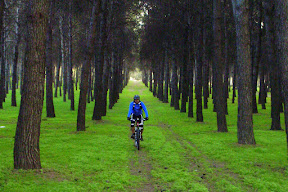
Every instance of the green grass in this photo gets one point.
(178, 154)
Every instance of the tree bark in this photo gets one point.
(7, 69)
(166, 75)
(57, 85)
(274, 66)
(86, 68)
(218, 63)
(282, 47)
(99, 64)
(70, 64)
(155, 80)
(106, 82)
(245, 119)
(161, 78)
(226, 56)
(175, 90)
(150, 80)
(206, 60)
(253, 46)
(191, 86)
(15, 62)
(190, 68)
(89, 91)
(234, 82)
(2, 8)
(49, 67)
(64, 64)
(199, 62)
(26, 146)
(2, 80)
(184, 79)
(2, 74)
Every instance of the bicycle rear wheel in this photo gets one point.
(137, 139)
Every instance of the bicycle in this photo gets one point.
(138, 135)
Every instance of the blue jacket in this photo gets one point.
(137, 109)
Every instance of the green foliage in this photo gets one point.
(177, 154)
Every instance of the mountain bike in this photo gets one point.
(138, 134)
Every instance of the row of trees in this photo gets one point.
(207, 44)
(65, 44)
(203, 43)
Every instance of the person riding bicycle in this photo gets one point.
(135, 111)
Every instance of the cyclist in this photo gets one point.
(135, 111)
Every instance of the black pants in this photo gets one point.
(133, 121)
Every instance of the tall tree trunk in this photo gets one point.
(64, 65)
(70, 55)
(199, 63)
(111, 81)
(7, 69)
(190, 69)
(274, 66)
(2, 80)
(218, 63)
(60, 81)
(226, 56)
(26, 146)
(245, 119)
(2, 74)
(161, 78)
(15, 62)
(150, 80)
(206, 81)
(57, 85)
(99, 64)
(184, 79)
(155, 79)
(282, 45)
(262, 93)
(254, 63)
(234, 82)
(25, 59)
(206, 59)
(89, 95)
(86, 68)
(166, 75)
(49, 67)
(77, 78)
(2, 8)
(175, 91)
(259, 58)
(106, 81)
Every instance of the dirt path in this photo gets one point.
(140, 166)
(202, 163)
(139, 162)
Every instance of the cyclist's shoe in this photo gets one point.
(133, 136)
(142, 138)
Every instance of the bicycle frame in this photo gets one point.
(137, 134)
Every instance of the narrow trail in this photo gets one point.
(140, 166)
(202, 163)
(141, 162)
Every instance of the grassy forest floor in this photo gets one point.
(178, 154)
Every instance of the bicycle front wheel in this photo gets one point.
(137, 139)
